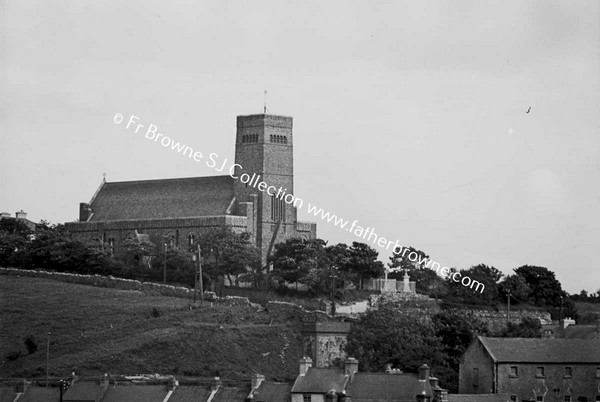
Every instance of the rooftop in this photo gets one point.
(536, 350)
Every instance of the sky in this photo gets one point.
(409, 116)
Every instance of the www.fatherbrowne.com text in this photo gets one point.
(254, 180)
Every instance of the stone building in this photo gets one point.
(254, 195)
(565, 370)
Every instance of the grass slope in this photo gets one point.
(98, 330)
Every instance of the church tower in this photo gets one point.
(264, 150)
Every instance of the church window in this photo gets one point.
(191, 239)
(111, 246)
(277, 209)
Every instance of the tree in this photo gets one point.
(301, 260)
(456, 329)
(388, 335)
(228, 253)
(517, 286)
(486, 275)
(545, 288)
(363, 263)
(527, 328)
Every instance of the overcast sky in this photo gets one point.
(408, 116)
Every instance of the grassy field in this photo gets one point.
(99, 330)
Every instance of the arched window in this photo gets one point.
(111, 245)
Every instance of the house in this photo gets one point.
(315, 384)
(565, 370)
(21, 217)
(268, 391)
(479, 398)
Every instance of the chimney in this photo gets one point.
(343, 397)
(423, 397)
(256, 380)
(441, 395)
(172, 384)
(216, 385)
(434, 382)
(424, 372)
(21, 214)
(568, 321)
(85, 211)
(305, 364)
(351, 367)
(388, 368)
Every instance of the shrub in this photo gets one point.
(155, 312)
(30, 344)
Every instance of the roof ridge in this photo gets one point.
(169, 179)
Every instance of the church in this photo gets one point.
(174, 212)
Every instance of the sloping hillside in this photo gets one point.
(99, 330)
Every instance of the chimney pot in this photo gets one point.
(305, 364)
(351, 367)
(424, 372)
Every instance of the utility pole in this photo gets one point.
(47, 357)
(507, 308)
(200, 275)
(332, 290)
(165, 265)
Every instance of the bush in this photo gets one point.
(155, 312)
(30, 344)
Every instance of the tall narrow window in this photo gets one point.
(191, 240)
(475, 378)
(514, 371)
(277, 209)
(111, 246)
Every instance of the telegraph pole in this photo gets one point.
(200, 274)
(165, 265)
(47, 357)
(507, 308)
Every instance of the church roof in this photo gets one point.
(165, 198)
(536, 350)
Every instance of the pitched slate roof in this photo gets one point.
(186, 393)
(7, 394)
(382, 387)
(536, 350)
(478, 398)
(135, 393)
(269, 391)
(320, 381)
(582, 332)
(40, 394)
(231, 394)
(166, 198)
(84, 391)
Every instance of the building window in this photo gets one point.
(597, 398)
(278, 139)
(191, 240)
(305, 398)
(567, 398)
(277, 209)
(248, 138)
(540, 398)
(475, 378)
(111, 246)
(597, 372)
(514, 371)
(568, 372)
(513, 398)
(539, 372)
